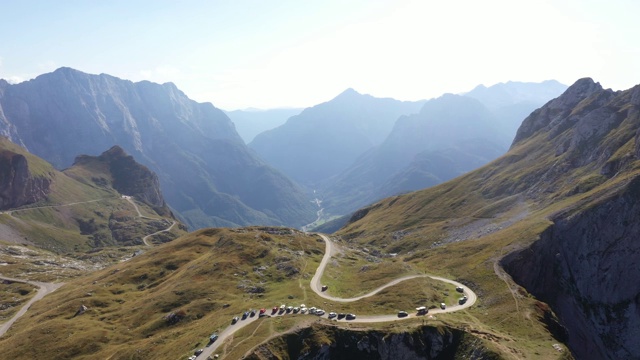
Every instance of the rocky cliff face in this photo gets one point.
(130, 177)
(17, 185)
(585, 264)
(337, 343)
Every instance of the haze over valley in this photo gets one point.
(321, 180)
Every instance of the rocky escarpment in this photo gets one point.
(18, 186)
(129, 177)
(585, 266)
(327, 342)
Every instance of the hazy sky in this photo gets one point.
(241, 53)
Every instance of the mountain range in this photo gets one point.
(449, 136)
(325, 139)
(207, 174)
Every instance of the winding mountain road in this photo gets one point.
(43, 289)
(317, 288)
(144, 239)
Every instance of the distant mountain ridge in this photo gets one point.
(451, 135)
(207, 173)
(251, 122)
(325, 139)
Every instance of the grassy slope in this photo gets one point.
(198, 274)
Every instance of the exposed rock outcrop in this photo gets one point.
(18, 186)
(557, 109)
(585, 266)
(130, 177)
(333, 343)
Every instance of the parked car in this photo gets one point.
(198, 352)
(462, 300)
(332, 315)
(351, 317)
(303, 310)
(213, 337)
(296, 310)
(402, 314)
(459, 289)
(252, 313)
(312, 310)
(443, 306)
(324, 287)
(289, 309)
(319, 312)
(274, 310)
(422, 310)
(192, 357)
(245, 315)
(234, 320)
(262, 311)
(341, 316)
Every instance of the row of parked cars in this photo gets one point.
(284, 309)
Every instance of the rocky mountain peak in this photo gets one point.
(555, 111)
(348, 95)
(129, 177)
(113, 153)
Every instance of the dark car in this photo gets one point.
(341, 316)
(402, 314)
(252, 313)
(234, 320)
(198, 352)
(459, 289)
(324, 287)
(351, 317)
(245, 315)
(274, 310)
(213, 337)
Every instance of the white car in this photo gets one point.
(332, 315)
(319, 312)
(312, 310)
(303, 310)
(443, 306)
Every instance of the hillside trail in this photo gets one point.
(146, 238)
(43, 290)
(10, 212)
(226, 336)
